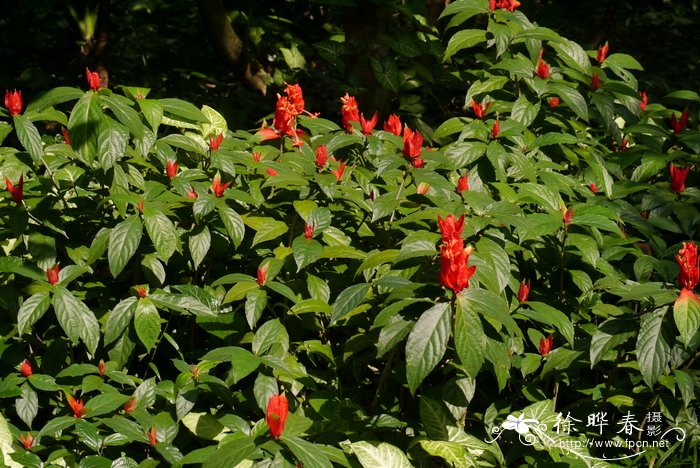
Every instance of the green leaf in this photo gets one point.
(435, 418)
(492, 265)
(462, 40)
(307, 453)
(306, 251)
(111, 144)
(105, 403)
(29, 136)
(571, 97)
(686, 384)
(375, 454)
(147, 322)
(28, 405)
(386, 73)
(255, 303)
(76, 319)
(653, 345)
(686, 314)
(183, 109)
(123, 242)
(125, 114)
(32, 310)
(348, 299)
(270, 333)
(266, 228)
(230, 453)
(52, 97)
(548, 315)
(199, 243)
(491, 306)
(126, 427)
(162, 233)
(573, 55)
(469, 339)
(426, 344)
(204, 425)
(611, 333)
(118, 319)
(452, 452)
(84, 124)
(234, 224)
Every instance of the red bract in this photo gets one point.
(687, 258)
(679, 125)
(602, 53)
(393, 124)
(624, 144)
(27, 441)
(217, 187)
(52, 274)
(496, 129)
(368, 125)
(543, 69)
(309, 230)
(595, 81)
(153, 436)
(17, 191)
(509, 5)
(338, 173)
(678, 176)
(276, 414)
(93, 79)
(26, 368)
(568, 215)
(553, 102)
(644, 100)
(101, 367)
(418, 163)
(171, 168)
(349, 111)
(451, 228)
(412, 143)
(66, 135)
(139, 206)
(13, 102)
(593, 187)
(271, 172)
(215, 142)
(262, 274)
(546, 345)
(321, 156)
(285, 116)
(77, 406)
(462, 184)
(296, 97)
(523, 291)
(142, 292)
(423, 188)
(192, 193)
(257, 156)
(480, 108)
(454, 272)
(130, 405)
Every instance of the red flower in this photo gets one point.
(595, 81)
(217, 187)
(602, 53)
(454, 272)
(13, 102)
(644, 100)
(593, 187)
(296, 97)
(368, 125)
(271, 172)
(93, 79)
(130, 405)
(215, 142)
(423, 188)
(509, 5)
(192, 193)
(542, 67)
(139, 206)
(546, 345)
(66, 135)
(480, 109)
(276, 414)
(393, 125)
(285, 116)
(26, 368)
(679, 125)
(17, 191)
(101, 367)
(338, 173)
(462, 184)
(553, 102)
(309, 230)
(451, 228)
(27, 441)
(523, 291)
(77, 406)
(496, 129)
(262, 274)
(418, 163)
(349, 111)
(412, 143)
(568, 215)
(678, 176)
(171, 168)
(153, 436)
(321, 156)
(687, 259)
(52, 274)
(141, 291)
(257, 156)
(624, 144)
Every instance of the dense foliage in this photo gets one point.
(332, 292)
